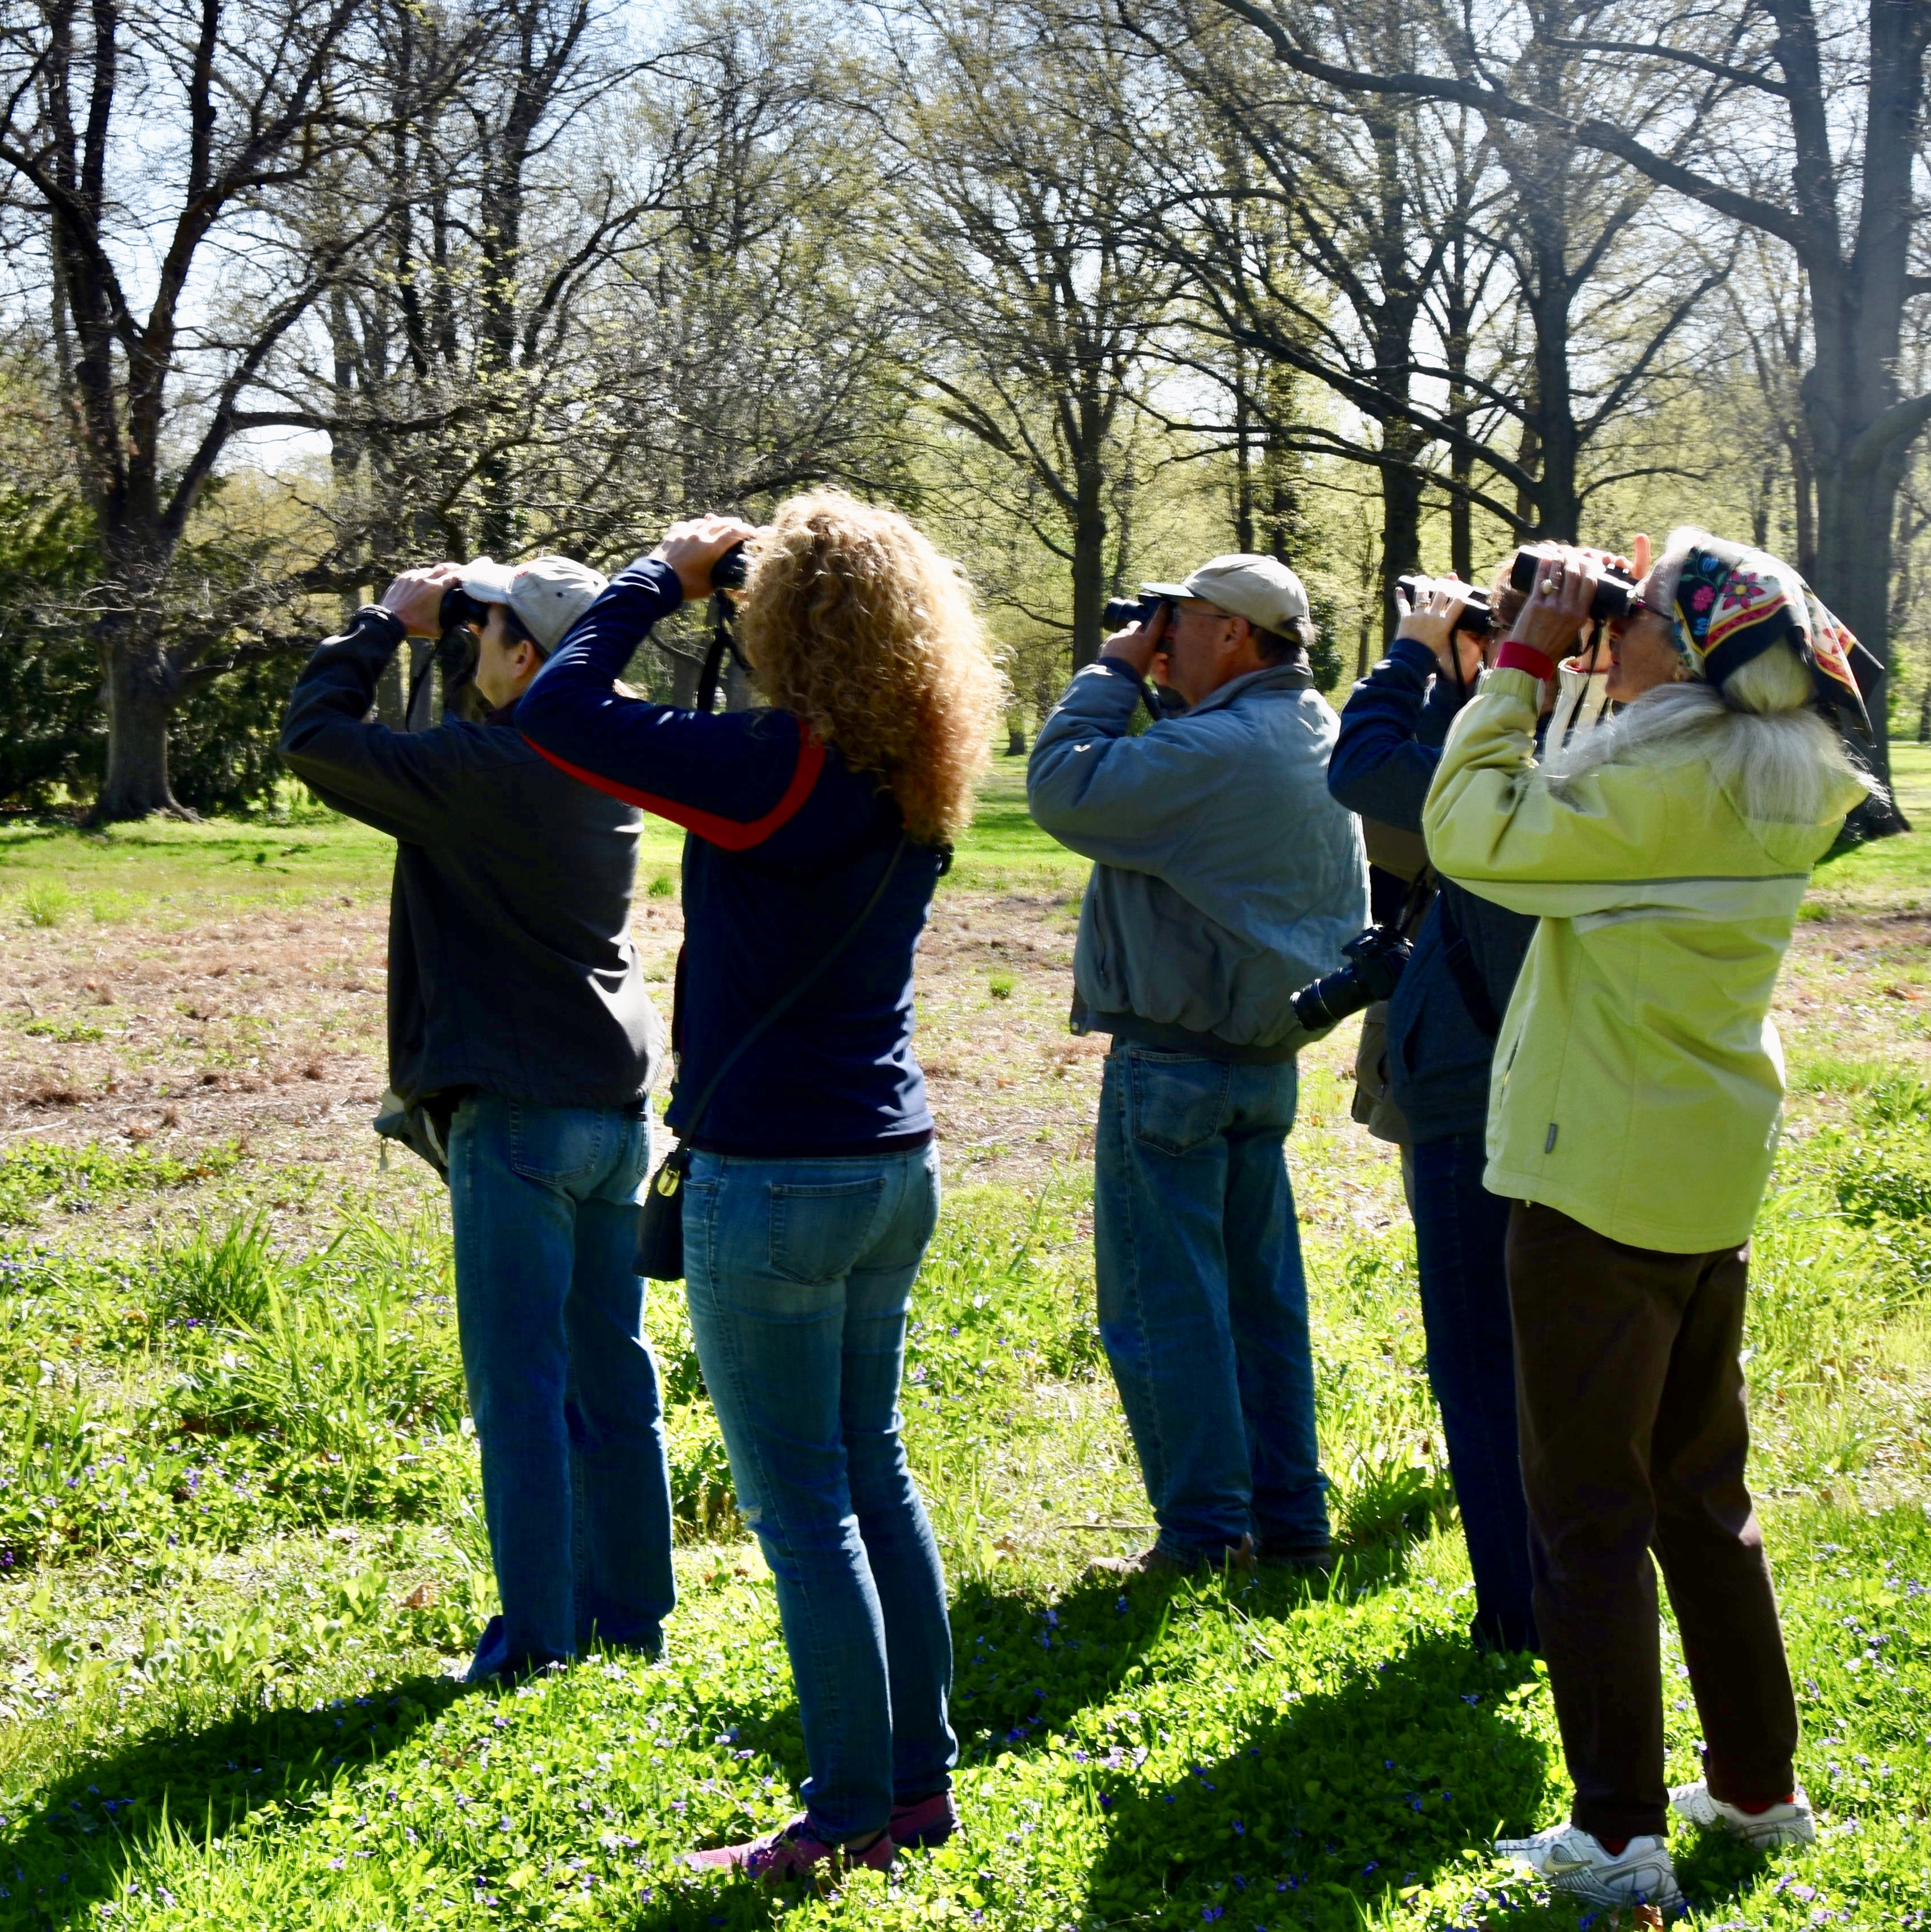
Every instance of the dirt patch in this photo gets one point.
(267, 1028)
(1856, 988)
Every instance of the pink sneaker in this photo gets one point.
(795, 1852)
(925, 1822)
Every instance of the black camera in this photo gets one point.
(1376, 960)
(728, 573)
(1476, 615)
(1123, 613)
(1615, 592)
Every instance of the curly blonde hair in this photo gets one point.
(852, 621)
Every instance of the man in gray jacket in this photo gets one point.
(1226, 879)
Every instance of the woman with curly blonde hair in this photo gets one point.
(817, 829)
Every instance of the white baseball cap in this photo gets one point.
(1261, 589)
(548, 594)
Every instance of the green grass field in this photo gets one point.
(240, 1545)
(52, 874)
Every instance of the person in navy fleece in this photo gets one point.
(814, 1185)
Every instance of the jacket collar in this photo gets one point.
(1284, 679)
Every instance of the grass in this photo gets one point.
(240, 1550)
(51, 875)
(239, 1547)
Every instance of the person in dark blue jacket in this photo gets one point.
(1442, 1024)
(813, 1187)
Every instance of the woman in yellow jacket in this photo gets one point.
(1633, 1116)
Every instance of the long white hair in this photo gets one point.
(1768, 749)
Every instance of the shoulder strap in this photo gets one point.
(798, 989)
(1466, 974)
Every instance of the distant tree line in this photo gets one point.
(298, 291)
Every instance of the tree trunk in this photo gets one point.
(1089, 562)
(1803, 487)
(1558, 508)
(1856, 511)
(1401, 489)
(1015, 738)
(1243, 462)
(685, 671)
(140, 687)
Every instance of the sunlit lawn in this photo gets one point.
(239, 1553)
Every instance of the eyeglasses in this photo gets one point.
(1635, 608)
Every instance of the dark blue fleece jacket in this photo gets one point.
(1383, 762)
(786, 844)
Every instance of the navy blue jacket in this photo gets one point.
(511, 965)
(1384, 763)
(786, 844)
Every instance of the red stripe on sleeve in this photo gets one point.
(733, 835)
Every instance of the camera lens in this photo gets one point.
(1121, 614)
(728, 572)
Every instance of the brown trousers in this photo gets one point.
(1630, 1394)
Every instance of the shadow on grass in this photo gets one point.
(59, 1860)
(1315, 1814)
(1344, 1798)
(1026, 1665)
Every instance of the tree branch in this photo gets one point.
(1902, 420)
(1603, 136)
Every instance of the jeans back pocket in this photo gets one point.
(819, 1232)
(1176, 1102)
(559, 1144)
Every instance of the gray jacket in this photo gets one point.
(1227, 877)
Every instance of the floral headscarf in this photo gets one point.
(1726, 612)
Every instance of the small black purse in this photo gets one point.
(660, 1232)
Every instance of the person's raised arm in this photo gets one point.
(1496, 825)
(710, 774)
(1377, 767)
(1121, 800)
(401, 782)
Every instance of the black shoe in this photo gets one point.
(1315, 1560)
(1158, 1562)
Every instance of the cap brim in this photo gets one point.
(488, 581)
(1165, 590)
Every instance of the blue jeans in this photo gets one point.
(1203, 1305)
(799, 1274)
(563, 1385)
(1461, 1237)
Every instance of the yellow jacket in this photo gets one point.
(1638, 1080)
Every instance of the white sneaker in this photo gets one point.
(1576, 1865)
(1791, 1824)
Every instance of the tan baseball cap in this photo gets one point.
(1261, 589)
(548, 594)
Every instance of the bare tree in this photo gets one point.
(1848, 90)
(1039, 295)
(1484, 295)
(151, 148)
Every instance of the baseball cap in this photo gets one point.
(1261, 589)
(548, 594)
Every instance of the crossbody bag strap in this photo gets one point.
(1459, 957)
(777, 1012)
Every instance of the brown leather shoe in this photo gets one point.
(1158, 1562)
